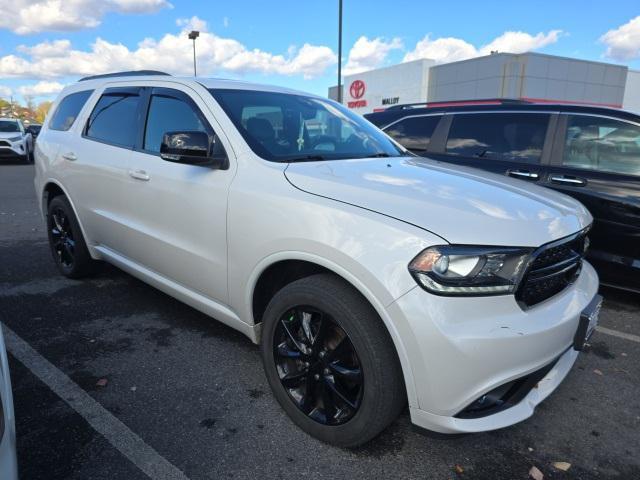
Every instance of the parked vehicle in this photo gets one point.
(34, 129)
(15, 141)
(8, 461)
(369, 278)
(592, 154)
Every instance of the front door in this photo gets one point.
(179, 210)
(508, 143)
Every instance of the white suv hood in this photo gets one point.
(461, 205)
(5, 135)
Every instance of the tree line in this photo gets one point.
(29, 112)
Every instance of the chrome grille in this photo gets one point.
(553, 267)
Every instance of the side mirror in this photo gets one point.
(192, 148)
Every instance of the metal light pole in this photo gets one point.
(192, 36)
(339, 51)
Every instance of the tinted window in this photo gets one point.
(167, 114)
(498, 136)
(113, 119)
(9, 126)
(414, 133)
(285, 127)
(603, 144)
(68, 109)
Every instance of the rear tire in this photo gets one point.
(67, 244)
(353, 388)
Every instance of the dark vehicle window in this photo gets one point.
(68, 109)
(604, 144)
(414, 133)
(167, 114)
(35, 129)
(498, 136)
(9, 126)
(285, 127)
(113, 119)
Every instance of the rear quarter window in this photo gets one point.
(68, 109)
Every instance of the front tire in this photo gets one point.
(67, 244)
(27, 157)
(330, 361)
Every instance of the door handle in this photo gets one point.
(70, 156)
(573, 181)
(526, 174)
(139, 175)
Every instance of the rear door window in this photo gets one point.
(114, 118)
(68, 109)
(514, 137)
(414, 133)
(602, 144)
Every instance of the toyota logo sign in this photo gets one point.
(357, 89)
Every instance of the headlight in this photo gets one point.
(467, 270)
(15, 139)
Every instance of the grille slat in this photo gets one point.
(553, 268)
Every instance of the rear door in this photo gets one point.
(596, 159)
(98, 162)
(509, 143)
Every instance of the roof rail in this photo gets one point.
(455, 103)
(132, 73)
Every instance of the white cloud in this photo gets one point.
(445, 49)
(5, 91)
(32, 16)
(40, 89)
(368, 54)
(46, 49)
(520, 42)
(623, 43)
(193, 23)
(451, 49)
(171, 53)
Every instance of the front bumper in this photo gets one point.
(11, 149)
(461, 348)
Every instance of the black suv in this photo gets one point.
(590, 153)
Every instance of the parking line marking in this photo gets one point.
(117, 433)
(615, 333)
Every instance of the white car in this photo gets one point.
(8, 460)
(15, 141)
(370, 277)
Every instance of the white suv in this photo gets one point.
(15, 140)
(370, 277)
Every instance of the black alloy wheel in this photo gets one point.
(62, 240)
(67, 244)
(318, 365)
(330, 361)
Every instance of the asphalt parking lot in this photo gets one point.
(157, 387)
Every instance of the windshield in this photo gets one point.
(283, 127)
(9, 126)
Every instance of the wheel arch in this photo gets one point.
(53, 188)
(303, 264)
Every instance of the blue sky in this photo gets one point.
(45, 44)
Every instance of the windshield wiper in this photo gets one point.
(305, 158)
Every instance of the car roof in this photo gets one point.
(390, 115)
(90, 83)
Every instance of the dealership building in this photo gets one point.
(526, 76)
